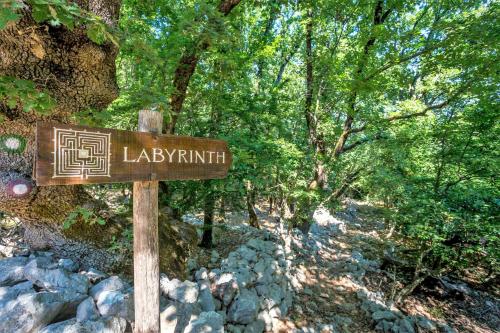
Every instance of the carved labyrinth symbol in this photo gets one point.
(81, 154)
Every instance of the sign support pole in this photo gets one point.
(146, 256)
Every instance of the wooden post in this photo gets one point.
(146, 257)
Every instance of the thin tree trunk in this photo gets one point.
(253, 220)
(185, 70)
(208, 218)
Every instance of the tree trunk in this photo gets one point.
(253, 220)
(78, 74)
(208, 218)
(185, 70)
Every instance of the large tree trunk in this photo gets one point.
(78, 74)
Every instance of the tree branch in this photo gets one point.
(185, 69)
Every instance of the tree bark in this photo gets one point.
(78, 74)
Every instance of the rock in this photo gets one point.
(176, 316)
(68, 265)
(260, 266)
(214, 274)
(447, 329)
(103, 325)
(257, 326)
(266, 318)
(30, 312)
(191, 265)
(184, 292)
(235, 328)
(225, 288)
(247, 253)
(94, 275)
(384, 326)
(8, 294)
(40, 273)
(384, 315)
(426, 324)
(113, 283)
(117, 304)
(214, 257)
(205, 298)
(206, 322)
(244, 308)
(201, 274)
(223, 315)
(178, 240)
(12, 270)
(87, 310)
(406, 326)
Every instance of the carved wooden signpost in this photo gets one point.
(70, 154)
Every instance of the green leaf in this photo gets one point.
(7, 15)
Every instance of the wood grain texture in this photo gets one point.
(146, 255)
(133, 156)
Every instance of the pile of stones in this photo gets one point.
(390, 319)
(250, 292)
(41, 294)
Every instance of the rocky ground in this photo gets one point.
(273, 280)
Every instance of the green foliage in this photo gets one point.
(14, 91)
(421, 89)
(59, 12)
(84, 215)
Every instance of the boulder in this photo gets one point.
(8, 294)
(184, 292)
(244, 308)
(406, 326)
(30, 312)
(225, 288)
(12, 270)
(103, 325)
(94, 275)
(68, 265)
(206, 322)
(177, 240)
(384, 326)
(247, 253)
(257, 326)
(266, 318)
(87, 310)
(426, 324)
(176, 316)
(201, 274)
(205, 298)
(384, 315)
(40, 272)
(113, 283)
(117, 304)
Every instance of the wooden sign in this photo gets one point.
(71, 154)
